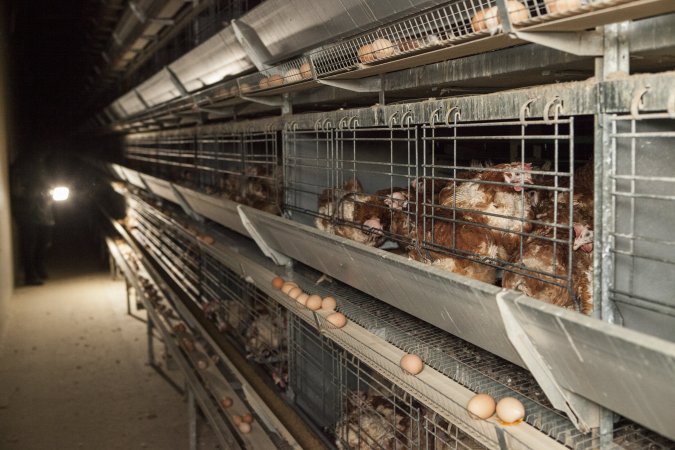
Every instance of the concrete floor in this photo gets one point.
(73, 371)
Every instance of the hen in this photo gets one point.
(547, 263)
(352, 214)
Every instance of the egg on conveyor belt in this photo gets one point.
(286, 288)
(295, 293)
(412, 364)
(337, 319)
(329, 304)
(277, 282)
(481, 406)
(302, 298)
(292, 76)
(306, 71)
(314, 302)
(510, 411)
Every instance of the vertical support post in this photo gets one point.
(192, 419)
(151, 348)
(382, 98)
(129, 287)
(615, 59)
(286, 105)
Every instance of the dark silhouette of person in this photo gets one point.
(32, 207)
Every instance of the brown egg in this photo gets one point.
(208, 240)
(337, 319)
(277, 282)
(234, 91)
(179, 328)
(409, 44)
(226, 402)
(478, 22)
(294, 293)
(412, 364)
(329, 304)
(510, 411)
(247, 418)
(314, 302)
(264, 83)
(244, 427)
(237, 420)
(561, 6)
(188, 344)
(276, 80)
(286, 288)
(365, 54)
(302, 298)
(244, 88)
(481, 406)
(306, 71)
(203, 364)
(382, 48)
(292, 76)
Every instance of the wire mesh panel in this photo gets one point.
(502, 196)
(255, 321)
(446, 25)
(219, 162)
(307, 164)
(640, 216)
(169, 155)
(263, 175)
(355, 406)
(349, 181)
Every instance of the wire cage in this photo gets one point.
(638, 217)
(346, 180)
(262, 173)
(176, 250)
(357, 407)
(256, 322)
(495, 201)
(290, 72)
(169, 155)
(501, 197)
(219, 162)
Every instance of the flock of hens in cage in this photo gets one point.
(478, 223)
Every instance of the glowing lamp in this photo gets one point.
(60, 193)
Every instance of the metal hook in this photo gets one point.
(636, 103)
(392, 119)
(326, 122)
(556, 103)
(353, 122)
(342, 122)
(525, 110)
(457, 115)
(406, 119)
(670, 105)
(317, 124)
(435, 114)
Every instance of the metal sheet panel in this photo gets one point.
(219, 210)
(624, 370)
(160, 188)
(219, 57)
(134, 178)
(130, 104)
(463, 307)
(158, 89)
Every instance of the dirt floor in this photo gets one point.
(73, 367)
